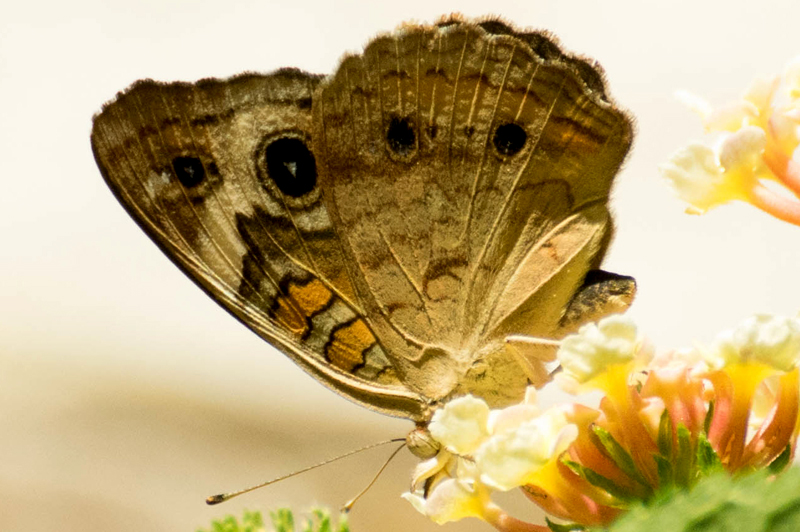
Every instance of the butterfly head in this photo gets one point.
(421, 444)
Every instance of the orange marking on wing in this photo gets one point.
(302, 302)
(285, 313)
(565, 132)
(311, 298)
(348, 344)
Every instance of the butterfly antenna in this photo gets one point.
(349, 504)
(222, 497)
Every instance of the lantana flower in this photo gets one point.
(487, 450)
(754, 140)
(600, 354)
(663, 423)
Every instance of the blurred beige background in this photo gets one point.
(127, 396)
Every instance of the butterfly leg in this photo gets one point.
(601, 294)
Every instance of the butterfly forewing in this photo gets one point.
(222, 176)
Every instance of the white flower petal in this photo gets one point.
(695, 175)
(416, 501)
(461, 425)
(687, 357)
(791, 78)
(760, 93)
(613, 340)
(771, 340)
(510, 459)
(743, 149)
(732, 116)
(450, 500)
(694, 102)
(512, 416)
(430, 467)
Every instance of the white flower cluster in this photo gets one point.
(597, 347)
(486, 450)
(482, 450)
(766, 117)
(770, 340)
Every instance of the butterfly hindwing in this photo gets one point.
(467, 170)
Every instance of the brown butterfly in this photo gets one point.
(388, 227)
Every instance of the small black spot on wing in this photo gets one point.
(189, 171)
(400, 136)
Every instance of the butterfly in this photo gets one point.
(388, 227)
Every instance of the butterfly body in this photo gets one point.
(388, 226)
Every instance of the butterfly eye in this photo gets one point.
(189, 171)
(509, 139)
(400, 136)
(292, 166)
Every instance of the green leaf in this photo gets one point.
(324, 518)
(718, 503)
(567, 527)
(599, 481)
(253, 522)
(684, 460)
(250, 522)
(709, 417)
(783, 459)
(344, 525)
(665, 472)
(708, 461)
(282, 520)
(665, 435)
(618, 454)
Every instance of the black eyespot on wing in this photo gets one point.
(189, 171)
(291, 165)
(509, 139)
(400, 136)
